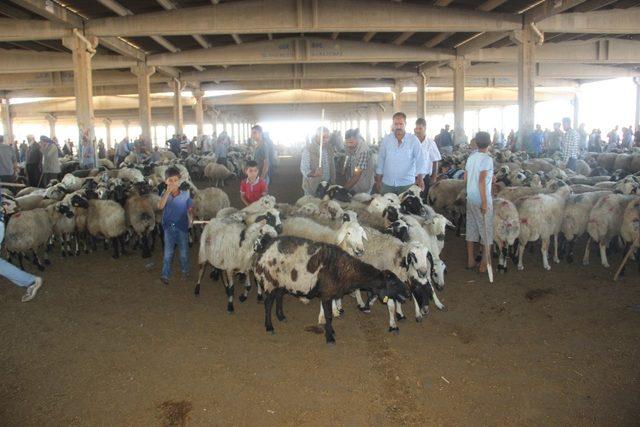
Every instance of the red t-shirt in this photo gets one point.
(253, 190)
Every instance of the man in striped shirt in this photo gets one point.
(570, 143)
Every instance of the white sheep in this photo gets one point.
(217, 174)
(229, 246)
(106, 219)
(540, 218)
(506, 228)
(576, 217)
(28, 232)
(604, 224)
(208, 202)
(131, 175)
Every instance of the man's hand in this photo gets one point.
(172, 188)
(420, 183)
(433, 178)
(315, 173)
(483, 208)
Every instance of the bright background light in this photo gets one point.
(603, 105)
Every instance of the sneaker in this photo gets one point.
(32, 290)
(164, 280)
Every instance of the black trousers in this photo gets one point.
(425, 192)
(33, 174)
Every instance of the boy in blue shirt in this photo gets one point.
(177, 217)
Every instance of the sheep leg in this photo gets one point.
(146, 251)
(417, 310)
(336, 307)
(268, 304)
(436, 301)
(279, 310)
(321, 319)
(116, 252)
(544, 247)
(37, 262)
(521, 247)
(391, 307)
(362, 306)
(121, 240)
(501, 261)
(228, 281)
(247, 288)
(201, 271)
(585, 258)
(77, 242)
(556, 259)
(328, 328)
(399, 314)
(570, 245)
(603, 255)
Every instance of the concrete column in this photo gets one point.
(397, 102)
(421, 107)
(154, 137)
(576, 109)
(142, 71)
(178, 117)
(7, 121)
(525, 39)
(126, 123)
(51, 118)
(458, 65)
(199, 110)
(214, 120)
(637, 122)
(368, 125)
(379, 119)
(107, 126)
(82, 49)
(225, 124)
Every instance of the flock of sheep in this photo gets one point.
(537, 199)
(384, 248)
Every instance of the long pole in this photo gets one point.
(320, 136)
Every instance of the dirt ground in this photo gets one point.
(105, 343)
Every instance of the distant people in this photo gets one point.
(450, 171)
(554, 141)
(358, 166)
(33, 162)
(511, 140)
(445, 141)
(479, 177)
(253, 187)
(498, 139)
(222, 148)
(174, 145)
(88, 159)
(177, 217)
(122, 151)
(314, 168)
(23, 151)
(637, 136)
(155, 155)
(14, 274)
(431, 155)
(264, 153)
(570, 143)
(613, 139)
(206, 144)
(8, 162)
(191, 148)
(400, 160)
(627, 138)
(582, 133)
(537, 141)
(67, 148)
(102, 152)
(50, 160)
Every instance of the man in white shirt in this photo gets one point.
(431, 155)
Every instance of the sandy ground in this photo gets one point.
(105, 343)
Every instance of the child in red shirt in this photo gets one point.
(252, 188)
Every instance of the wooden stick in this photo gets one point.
(11, 184)
(487, 247)
(633, 247)
(321, 132)
(200, 222)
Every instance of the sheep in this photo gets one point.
(583, 167)
(140, 216)
(106, 219)
(106, 163)
(418, 234)
(63, 225)
(630, 227)
(326, 191)
(79, 204)
(229, 246)
(443, 198)
(506, 228)
(309, 269)
(514, 193)
(576, 217)
(349, 237)
(130, 174)
(72, 183)
(217, 174)
(261, 205)
(604, 223)
(27, 232)
(27, 190)
(540, 218)
(208, 202)
(628, 185)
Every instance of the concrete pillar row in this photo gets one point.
(126, 127)
(379, 120)
(636, 80)
(143, 72)
(397, 93)
(51, 118)
(82, 50)
(421, 83)
(576, 109)
(525, 39)
(178, 117)
(107, 126)
(458, 65)
(198, 94)
(7, 121)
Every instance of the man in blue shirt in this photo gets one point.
(537, 141)
(177, 216)
(400, 160)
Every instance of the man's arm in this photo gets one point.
(265, 168)
(380, 166)
(434, 172)
(354, 179)
(420, 163)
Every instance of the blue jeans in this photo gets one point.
(173, 236)
(11, 272)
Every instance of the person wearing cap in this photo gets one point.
(50, 160)
(358, 166)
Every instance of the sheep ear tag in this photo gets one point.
(385, 299)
